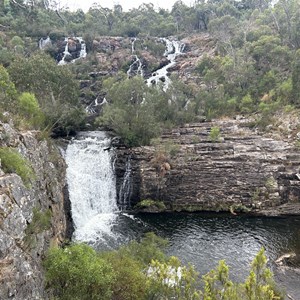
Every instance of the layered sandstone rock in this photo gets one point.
(239, 170)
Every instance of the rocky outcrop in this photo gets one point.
(191, 169)
(31, 217)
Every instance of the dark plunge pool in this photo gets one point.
(204, 239)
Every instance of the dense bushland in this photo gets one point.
(255, 67)
(137, 112)
(142, 271)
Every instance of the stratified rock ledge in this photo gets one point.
(240, 170)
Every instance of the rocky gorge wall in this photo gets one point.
(31, 217)
(237, 170)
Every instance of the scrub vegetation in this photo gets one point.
(254, 69)
(142, 271)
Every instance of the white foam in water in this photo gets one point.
(91, 182)
(173, 49)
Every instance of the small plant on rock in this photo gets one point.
(13, 162)
(215, 134)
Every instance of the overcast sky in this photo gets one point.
(126, 4)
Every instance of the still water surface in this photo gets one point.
(204, 239)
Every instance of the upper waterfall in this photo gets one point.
(173, 49)
(75, 48)
(136, 68)
(92, 185)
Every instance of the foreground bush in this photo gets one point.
(141, 271)
(77, 272)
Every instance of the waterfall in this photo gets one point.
(136, 68)
(43, 42)
(92, 185)
(65, 54)
(173, 49)
(91, 109)
(132, 45)
(126, 187)
(82, 53)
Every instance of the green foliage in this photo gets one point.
(296, 79)
(150, 247)
(131, 113)
(129, 283)
(149, 203)
(137, 112)
(16, 41)
(142, 271)
(76, 272)
(30, 110)
(247, 104)
(256, 52)
(7, 91)
(54, 88)
(260, 285)
(217, 284)
(215, 134)
(40, 222)
(13, 162)
(171, 280)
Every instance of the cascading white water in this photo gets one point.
(82, 53)
(66, 53)
(136, 68)
(132, 45)
(173, 49)
(92, 186)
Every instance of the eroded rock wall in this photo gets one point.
(24, 238)
(240, 170)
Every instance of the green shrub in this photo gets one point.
(29, 109)
(16, 41)
(77, 272)
(13, 162)
(129, 283)
(149, 203)
(148, 248)
(247, 104)
(131, 114)
(214, 134)
(142, 271)
(40, 222)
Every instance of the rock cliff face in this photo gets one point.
(192, 169)
(31, 218)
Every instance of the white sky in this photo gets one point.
(86, 4)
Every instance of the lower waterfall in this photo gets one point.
(201, 239)
(92, 185)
